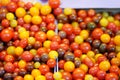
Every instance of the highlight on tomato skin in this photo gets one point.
(82, 45)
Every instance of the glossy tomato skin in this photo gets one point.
(49, 76)
(85, 47)
(88, 62)
(12, 6)
(56, 38)
(51, 26)
(44, 69)
(111, 76)
(97, 33)
(101, 75)
(20, 21)
(9, 67)
(78, 74)
(50, 18)
(82, 13)
(67, 28)
(6, 35)
(54, 3)
(5, 23)
(111, 26)
(74, 46)
(57, 11)
(51, 63)
(40, 36)
(28, 5)
(66, 76)
(114, 69)
(93, 70)
(27, 56)
(9, 58)
(54, 45)
(23, 43)
(2, 55)
(61, 64)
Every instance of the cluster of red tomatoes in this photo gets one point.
(85, 42)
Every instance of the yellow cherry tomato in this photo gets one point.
(104, 65)
(21, 29)
(118, 55)
(82, 57)
(104, 22)
(90, 54)
(117, 40)
(88, 77)
(46, 9)
(57, 76)
(105, 38)
(33, 51)
(4, 2)
(18, 51)
(31, 40)
(97, 55)
(69, 66)
(47, 43)
(34, 11)
(53, 54)
(79, 39)
(28, 77)
(24, 34)
(20, 12)
(27, 18)
(13, 23)
(60, 25)
(38, 5)
(22, 64)
(50, 34)
(110, 18)
(11, 50)
(84, 67)
(40, 77)
(37, 65)
(35, 72)
(84, 34)
(10, 16)
(117, 22)
(36, 20)
(67, 11)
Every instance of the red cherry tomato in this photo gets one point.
(27, 26)
(111, 26)
(101, 75)
(54, 3)
(34, 28)
(66, 41)
(67, 28)
(15, 64)
(44, 69)
(91, 12)
(57, 11)
(77, 53)
(66, 76)
(64, 46)
(78, 74)
(82, 13)
(74, 46)
(23, 43)
(101, 58)
(54, 45)
(76, 30)
(11, 6)
(51, 63)
(49, 76)
(114, 69)
(5, 23)
(28, 5)
(9, 58)
(50, 18)
(27, 56)
(20, 21)
(56, 38)
(111, 76)
(51, 26)
(41, 50)
(97, 33)
(16, 1)
(9, 67)
(6, 35)
(40, 36)
(85, 47)
(16, 43)
(88, 62)
(2, 55)
(16, 36)
(93, 70)
(61, 64)
(71, 37)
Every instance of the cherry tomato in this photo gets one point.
(78, 74)
(54, 3)
(9, 58)
(93, 70)
(111, 76)
(82, 13)
(114, 69)
(91, 12)
(50, 18)
(51, 26)
(74, 46)
(9, 67)
(66, 76)
(77, 53)
(44, 69)
(40, 36)
(56, 38)
(34, 28)
(28, 5)
(76, 30)
(12, 6)
(41, 50)
(20, 21)
(85, 47)
(23, 43)
(88, 62)
(49, 76)
(6, 35)
(96, 33)
(5, 23)
(67, 28)
(51, 63)
(57, 11)
(18, 78)
(27, 56)
(2, 55)
(61, 64)
(54, 45)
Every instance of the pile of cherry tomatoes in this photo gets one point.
(85, 42)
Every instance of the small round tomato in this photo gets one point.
(54, 45)
(69, 66)
(67, 28)
(111, 76)
(44, 69)
(9, 58)
(104, 65)
(49, 76)
(18, 78)
(96, 33)
(27, 56)
(85, 47)
(77, 53)
(78, 74)
(50, 18)
(6, 35)
(57, 11)
(101, 74)
(5, 23)
(51, 63)
(51, 26)
(111, 26)
(114, 69)
(115, 61)
(76, 30)
(46, 9)
(20, 21)
(91, 12)
(9, 67)
(88, 62)
(87, 20)
(82, 13)
(93, 70)
(74, 46)
(66, 76)
(23, 43)
(40, 36)
(101, 58)
(54, 3)
(56, 38)
(64, 46)
(34, 28)
(61, 64)
(28, 5)
(41, 50)
(20, 12)
(12, 6)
